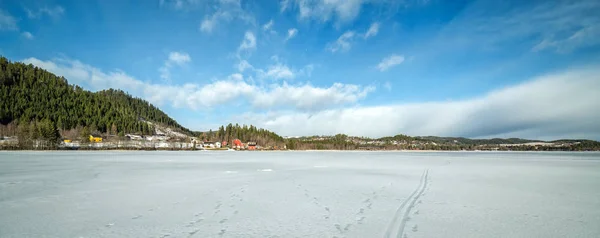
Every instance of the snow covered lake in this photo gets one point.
(299, 194)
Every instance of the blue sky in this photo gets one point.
(304, 67)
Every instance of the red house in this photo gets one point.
(251, 145)
(237, 144)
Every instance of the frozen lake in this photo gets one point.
(299, 194)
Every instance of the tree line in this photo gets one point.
(244, 133)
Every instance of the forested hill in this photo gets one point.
(29, 94)
(244, 133)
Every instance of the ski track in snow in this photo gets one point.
(398, 222)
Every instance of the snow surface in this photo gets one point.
(299, 194)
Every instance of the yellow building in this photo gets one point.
(67, 141)
(95, 139)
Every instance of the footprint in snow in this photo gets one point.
(362, 210)
(193, 232)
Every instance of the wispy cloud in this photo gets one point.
(27, 35)
(7, 21)
(54, 12)
(551, 106)
(302, 96)
(175, 58)
(389, 62)
(562, 26)
(244, 65)
(283, 5)
(248, 43)
(179, 4)
(373, 30)
(226, 11)
(341, 11)
(291, 33)
(277, 71)
(343, 43)
(586, 36)
(268, 27)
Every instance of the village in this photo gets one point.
(161, 142)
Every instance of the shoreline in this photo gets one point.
(328, 151)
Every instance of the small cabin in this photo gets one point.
(251, 145)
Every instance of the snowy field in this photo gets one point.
(299, 194)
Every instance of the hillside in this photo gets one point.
(31, 95)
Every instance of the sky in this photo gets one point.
(478, 69)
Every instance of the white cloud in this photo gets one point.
(226, 11)
(208, 24)
(7, 21)
(249, 42)
(291, 33)
(552, 106)
(54, 12)
(79, 73)
(178, 4)
(175, 58)
(308, 97)
(283, 5)
(179, 58)
(243, 65)
(373, 30)
(278, 71)
(325, 10)
(343, 43)
(268, 27)
(27, 35)
(389, 62)
(230, 90)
